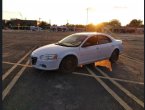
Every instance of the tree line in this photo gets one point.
(90, 27)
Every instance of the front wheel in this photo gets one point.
(68, 65)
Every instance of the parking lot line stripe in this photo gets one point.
(15, 63)
(123, 89)
(122, 80)
(11, 69)
(83, 74)
(12, 83)
(119, 100)
(117, 79)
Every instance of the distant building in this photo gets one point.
(19, 24)
(128, 30)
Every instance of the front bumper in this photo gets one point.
(45, 65)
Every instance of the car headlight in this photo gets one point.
(48, 57)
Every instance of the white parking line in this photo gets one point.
(83, 74)
(15, 65)
(123, 89)
(121, 80)
(114, 95)
(12, 83)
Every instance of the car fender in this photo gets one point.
(63, 55)
(115, 47)
(119, 47)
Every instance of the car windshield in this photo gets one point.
(72, 40)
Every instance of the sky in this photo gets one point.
(74, 11)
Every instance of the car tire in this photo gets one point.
(114, 56)
(68, 65)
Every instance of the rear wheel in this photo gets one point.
(115, 56)
(68, 65)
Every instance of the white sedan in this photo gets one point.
(76, 49)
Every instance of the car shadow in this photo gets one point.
(48, 73)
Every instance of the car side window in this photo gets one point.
(91, 41)
(102, 39)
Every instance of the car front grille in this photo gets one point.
(34, 60)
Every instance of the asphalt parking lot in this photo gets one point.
(87, 88)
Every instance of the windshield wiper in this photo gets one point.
(62, 44)
(66, 44)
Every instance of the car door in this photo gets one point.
(105, 46)
(88, 50)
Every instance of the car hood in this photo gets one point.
(49, 49)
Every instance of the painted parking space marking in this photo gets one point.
(84, 74)
(116, 79)
(13, 82)
(114, 95)
(141, 103)
(15, 65)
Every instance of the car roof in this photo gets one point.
(90, 33)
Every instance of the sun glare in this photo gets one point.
(75, 11)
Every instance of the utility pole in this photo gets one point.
(39, 25)
(21, 15)
(50, 21)
(67, 21)
(87, 19)
(39, 20)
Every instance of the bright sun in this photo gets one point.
(74, 11)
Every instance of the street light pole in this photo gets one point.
(38, 27)
(50, 21)
(87, 19)
(39, 20)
